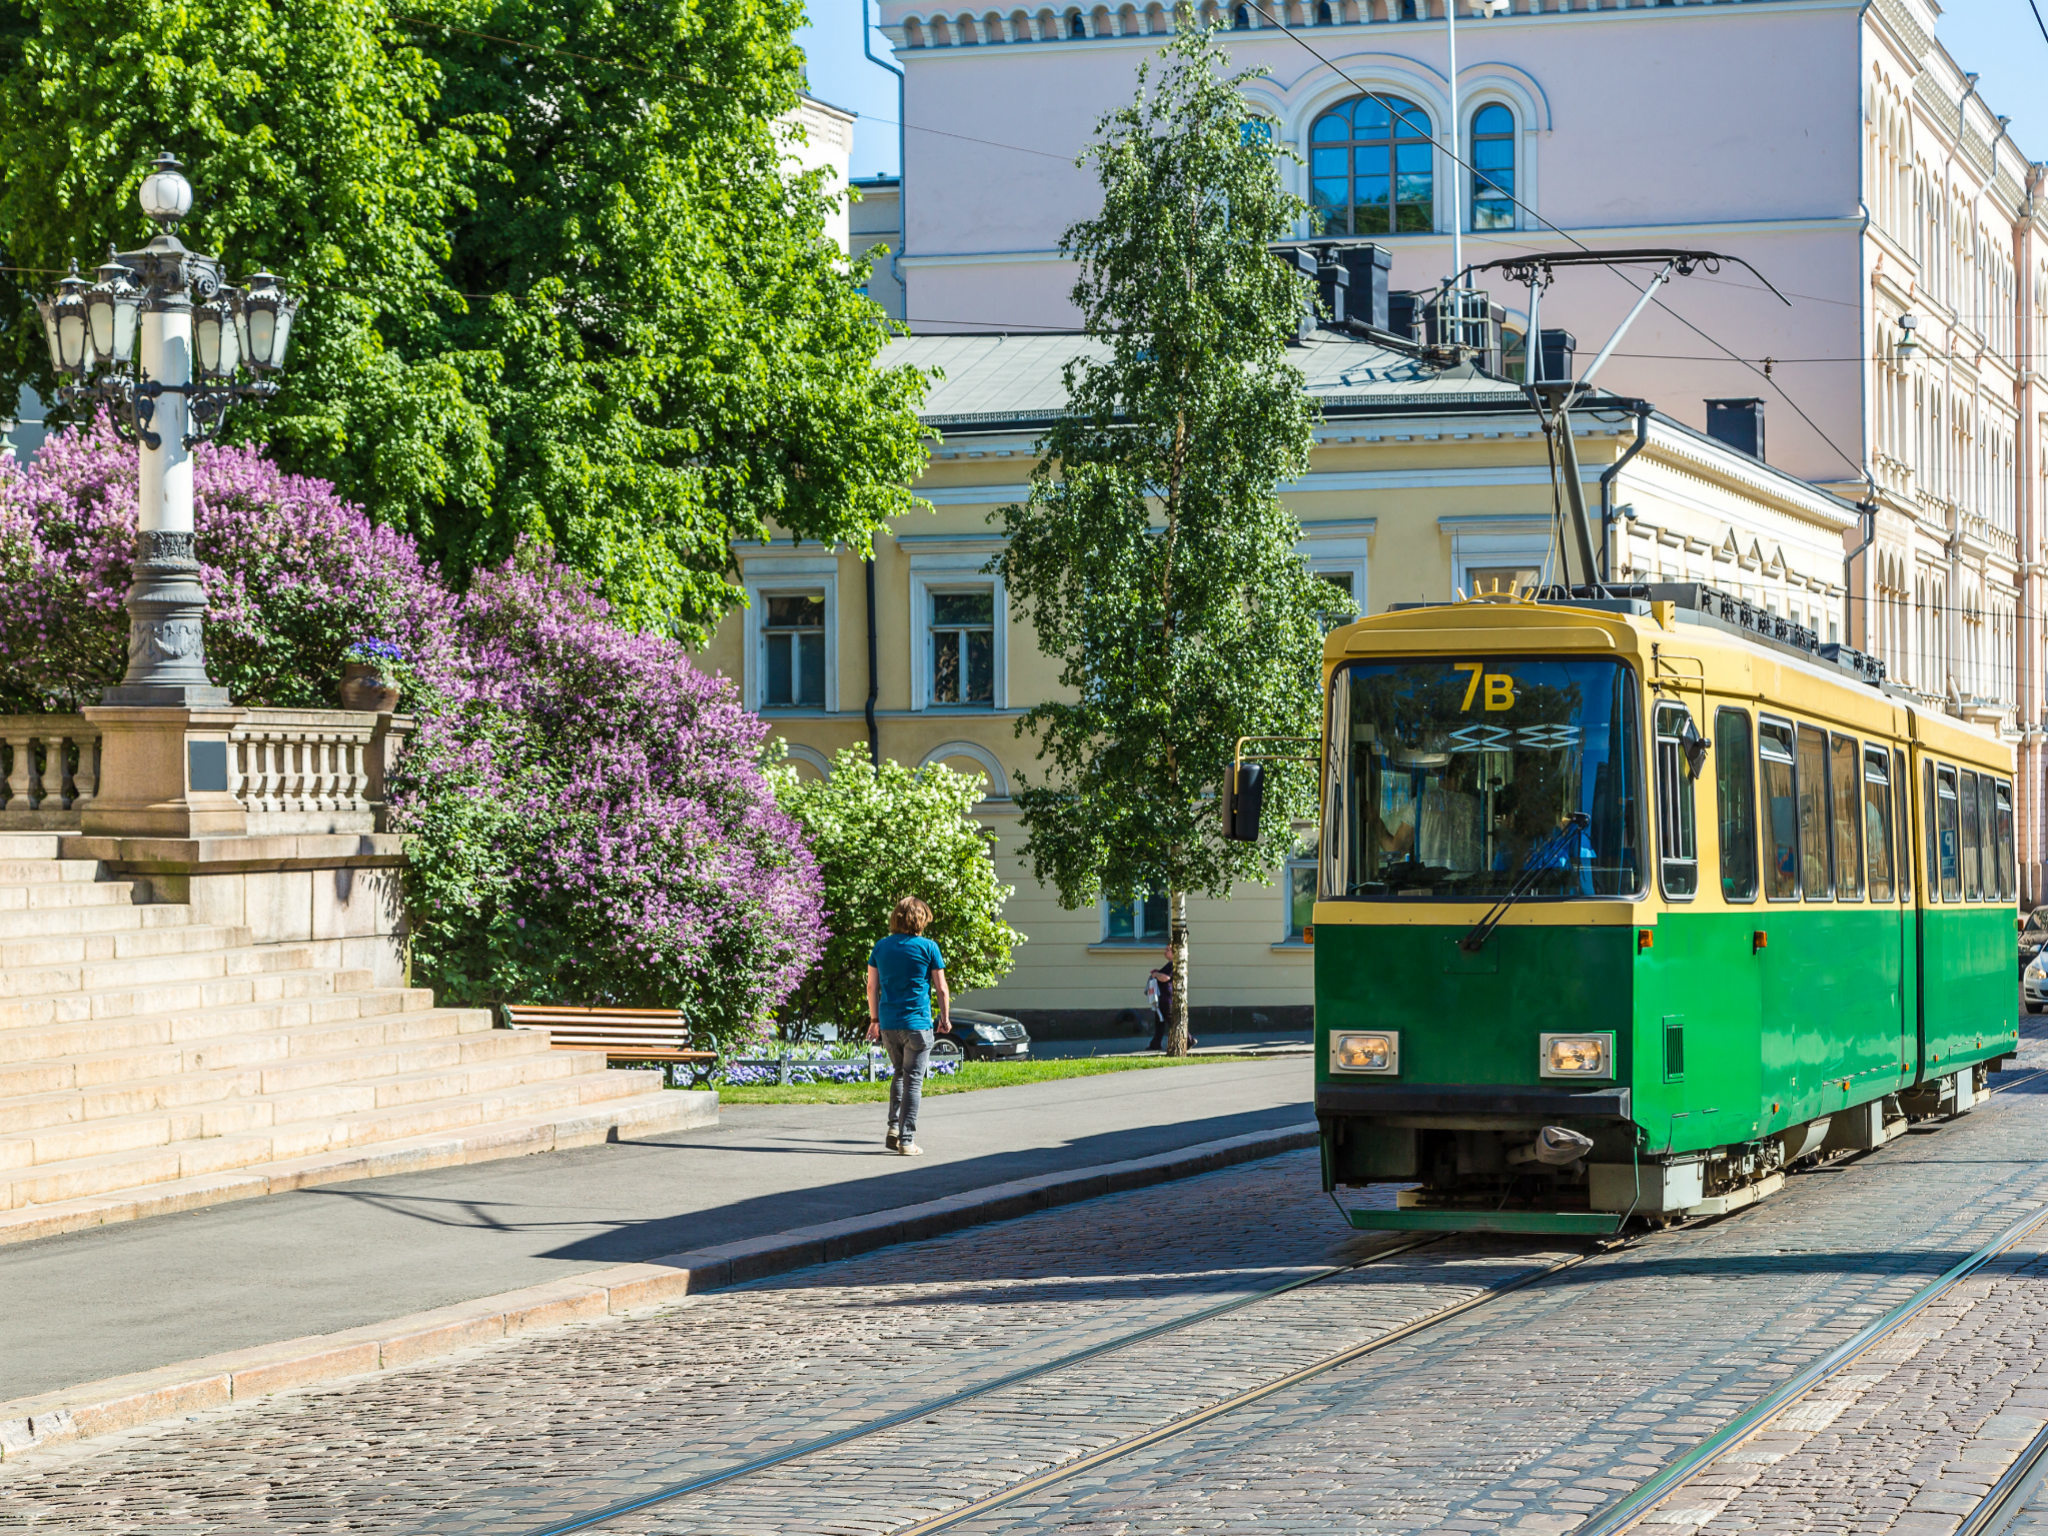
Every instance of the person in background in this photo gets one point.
(1159, 991)
(905, 970)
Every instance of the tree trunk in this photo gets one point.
(1177, 1039)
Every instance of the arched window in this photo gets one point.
(1257, 130)
(1243, 20)
(1323, 16)
(1076, 27)
(1493, 167)
(1370, 168)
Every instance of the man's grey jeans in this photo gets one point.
(909, 1050)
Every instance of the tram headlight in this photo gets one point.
(1377, 1051)
(1577, 1055)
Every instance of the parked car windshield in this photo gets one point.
(1448, 780)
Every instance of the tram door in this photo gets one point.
(1903, 821)
(1888, 868)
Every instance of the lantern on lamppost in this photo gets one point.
(163, 341)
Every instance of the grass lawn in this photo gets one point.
(972, 1075)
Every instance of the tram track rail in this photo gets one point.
(1620, 1517)
(704, 1482)
(1629, 1512)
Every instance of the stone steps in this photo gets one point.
(23, 924)
(113, 1004)
(40, 951)
(77, 1162)
(151, 1063)
(644, 1114)
(84, 1089)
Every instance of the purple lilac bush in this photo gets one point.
(593, 824)
(591, 820)
(292, 573)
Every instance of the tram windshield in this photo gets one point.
(1452, 780)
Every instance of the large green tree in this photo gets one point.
(1154, 557)
(561, 280)
(304, 125)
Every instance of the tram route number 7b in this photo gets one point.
(1494, 690)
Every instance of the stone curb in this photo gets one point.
(122, 1402)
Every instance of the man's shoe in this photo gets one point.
(910, 1149)
(893, 1142)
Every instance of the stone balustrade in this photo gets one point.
(289, 770)
(51, 771)
(311, 770)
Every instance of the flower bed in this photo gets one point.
(758, 1073)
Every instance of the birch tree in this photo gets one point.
(1154, 557)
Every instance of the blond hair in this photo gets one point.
(910, 916)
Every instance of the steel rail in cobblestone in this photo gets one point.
(2005, 1495)
(1626, 1512)
(1186, 1422)
(907, 1415)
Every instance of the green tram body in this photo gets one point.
(1748, 1033)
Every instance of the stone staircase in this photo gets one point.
(150, 1062)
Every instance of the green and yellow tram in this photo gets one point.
(1630, 904)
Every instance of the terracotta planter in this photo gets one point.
(364, 687)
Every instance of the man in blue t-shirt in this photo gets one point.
(904, 970)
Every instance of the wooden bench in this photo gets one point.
(623, 1034)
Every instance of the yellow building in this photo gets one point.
(1424, 481)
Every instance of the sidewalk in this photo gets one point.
(123, 1299)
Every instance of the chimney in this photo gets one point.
(1368, 266)
(1333, 288)
(1556, 350)
(1738, 423)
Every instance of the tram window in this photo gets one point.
(1973, 840)
(2008, 876)
(1903, 778)
(1735, 800)
(1848, 818)
(1816, 881)
(1677, 835)
(1462, 781)
(1781, 811)
(1942, 812)
(1877, 821)
(1987, 848)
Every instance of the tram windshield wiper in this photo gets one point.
(1546, 857)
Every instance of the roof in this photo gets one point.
(992, 379)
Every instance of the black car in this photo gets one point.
(979, 1036)
(2033, 935)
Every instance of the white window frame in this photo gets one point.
(1311, 860)
(1102, 904)
(779, 577)
(1341, 548)
(954, 573)
(1485, 539)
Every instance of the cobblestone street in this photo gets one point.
(1529, 1412)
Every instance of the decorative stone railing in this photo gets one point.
(51, 770)
(292, 770)
(313, 770)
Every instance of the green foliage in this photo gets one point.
(880, 834)
(304, 127)
(1154, 557)
(560, 282)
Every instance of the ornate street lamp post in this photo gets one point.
(160, 339)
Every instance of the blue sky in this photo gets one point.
(1998, 38)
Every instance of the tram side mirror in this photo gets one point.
(1244, 796)
(1694, 746)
